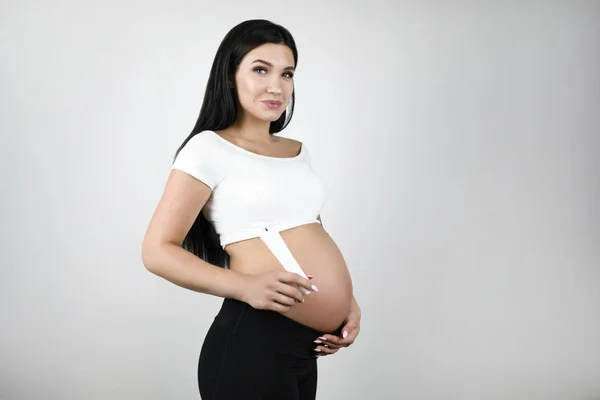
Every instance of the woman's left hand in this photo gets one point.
(330, 344)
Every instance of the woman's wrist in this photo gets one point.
(228, 284)
(237, 284)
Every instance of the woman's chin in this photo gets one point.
(271, 118)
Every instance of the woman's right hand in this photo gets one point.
(276, 290)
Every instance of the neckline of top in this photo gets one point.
(239, 148)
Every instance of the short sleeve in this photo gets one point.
(198, 158)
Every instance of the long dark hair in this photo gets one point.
(220, 110)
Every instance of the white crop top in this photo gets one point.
(251, 193)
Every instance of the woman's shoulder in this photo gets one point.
(202, 143)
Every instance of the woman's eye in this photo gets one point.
(259, 69)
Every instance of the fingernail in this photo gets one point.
(316, 289)
(317, 349)
(309, 276)
(322, 338)
(317, 341)
(344, 334)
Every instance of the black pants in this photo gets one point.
(251, 354)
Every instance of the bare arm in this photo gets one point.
(162, 254)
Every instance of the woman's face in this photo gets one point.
(265, 74)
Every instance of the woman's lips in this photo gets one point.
(272, 104)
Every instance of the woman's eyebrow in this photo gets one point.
(271, 65)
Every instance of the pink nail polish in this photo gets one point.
(317, 341)
(345, 334)
(316, 289)
(317, 349)
(322, 338)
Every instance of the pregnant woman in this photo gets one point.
(239, 218)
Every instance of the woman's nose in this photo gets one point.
(275, 86)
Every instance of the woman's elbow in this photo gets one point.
(149, 255)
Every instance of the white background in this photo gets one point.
(458, 142)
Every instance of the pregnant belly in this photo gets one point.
(318, 255)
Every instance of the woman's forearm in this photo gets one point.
(185, 269)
